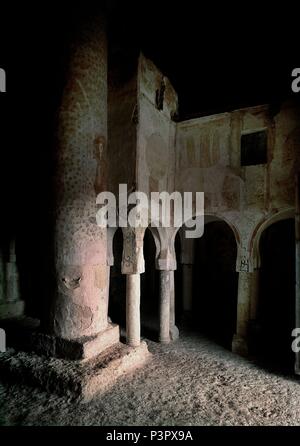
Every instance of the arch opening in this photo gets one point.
(150, 290)
(212, 307)
(276, 296)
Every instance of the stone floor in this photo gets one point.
(189, 382)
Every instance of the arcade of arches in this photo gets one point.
(205, 287)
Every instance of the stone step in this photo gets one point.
(74, 379)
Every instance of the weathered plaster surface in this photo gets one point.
(80, 306)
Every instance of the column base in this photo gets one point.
(174, 333)
(80, 380)
(133, 342)
(10, 310)
(78, 349)
(239, 345)
(24, 334)
(164, 341)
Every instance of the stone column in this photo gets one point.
(164, 307)
(239, 343)
(297, 266)
(133, 319)
(174, 332)
(79, 308)
(166, 264)
(12, 276)
(133, 265)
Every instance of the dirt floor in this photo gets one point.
(189, 382)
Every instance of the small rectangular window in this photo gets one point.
(254, 148)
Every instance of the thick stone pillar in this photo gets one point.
(297, 266)
(109, 260)
(80, 302)
(133, 320)
(239, 343)
(164, 307)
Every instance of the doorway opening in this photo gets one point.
(276, 298)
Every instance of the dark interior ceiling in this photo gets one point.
(218, 55)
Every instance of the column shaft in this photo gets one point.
(164, 307)
(244, 299)
(172, 300)
(174, 332)
(239, 343)
(133, 323)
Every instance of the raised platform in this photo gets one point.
(76, 379)
(24, 334)
(82, 348)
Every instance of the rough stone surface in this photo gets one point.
(189, 382)
(82, 348)
(24, 334)
(75, 379)
(133, 323)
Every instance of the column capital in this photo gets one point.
(133, 256)
(165, 249)
(244, 261)
(166, 263)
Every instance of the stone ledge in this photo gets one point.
(24, 334)
(76, 379)
(83, 348)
